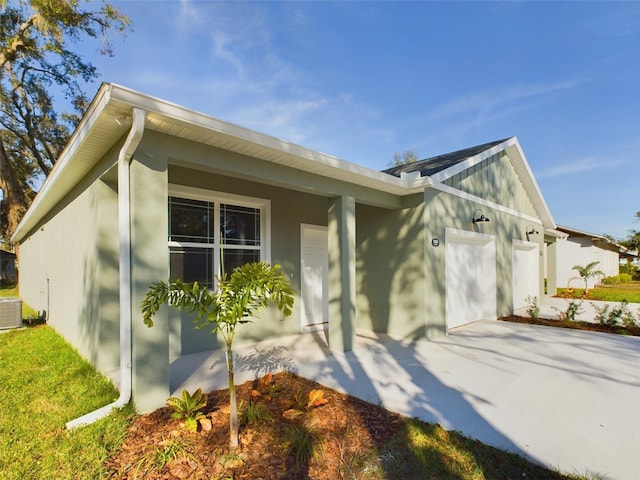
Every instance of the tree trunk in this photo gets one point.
(15, 199)
(233, 403)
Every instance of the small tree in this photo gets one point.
(587, 272)
(235, 301)
(404, 158)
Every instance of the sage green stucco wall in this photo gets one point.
(149, 260)
(75, 249)
(442, 211)
(288, 210)
(390, 269)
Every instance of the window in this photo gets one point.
(213, 233)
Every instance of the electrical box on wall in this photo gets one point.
(10, 313)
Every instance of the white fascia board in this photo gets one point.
(329, 165)
(521, 167)
(552, 232)
(470, 162)
(54, 183)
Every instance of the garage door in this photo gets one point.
(470, 263)
(526, 272)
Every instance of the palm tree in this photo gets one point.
(235, 301)
(587, 272)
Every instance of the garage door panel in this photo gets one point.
(470, 263)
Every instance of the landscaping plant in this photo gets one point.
(573, 310)
(533, 309)
(235, 301)
(189, 407)
(587, 272)
(265, 388)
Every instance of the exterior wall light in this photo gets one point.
(478, 217)
(529, 230)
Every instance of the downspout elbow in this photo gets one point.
(124, 231)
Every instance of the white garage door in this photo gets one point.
(526, 272)
(470, 263)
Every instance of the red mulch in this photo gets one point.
(346, 425)
(591, 327)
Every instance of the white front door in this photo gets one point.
(314, 262)
(470, 264)
(526, 273)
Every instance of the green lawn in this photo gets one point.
(43, 384)
(27, 311)
(629, 292)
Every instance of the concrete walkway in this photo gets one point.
(567, 399)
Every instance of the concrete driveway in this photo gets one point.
(567, 399)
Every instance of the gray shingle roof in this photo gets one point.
(430, 166)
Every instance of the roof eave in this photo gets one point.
(114, 101)
(54, 183)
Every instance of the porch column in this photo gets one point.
(149, 263)
(342, 273)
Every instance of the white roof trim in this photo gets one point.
(520, 165)
(470, 162)
(112, 103)
(331, 166)
(51, 191)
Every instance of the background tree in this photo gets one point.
(235, 301)
(35, 61)
(404, 158)
(632, 242)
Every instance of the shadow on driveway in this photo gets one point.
(566, 399)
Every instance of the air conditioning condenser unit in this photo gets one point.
(10, 313)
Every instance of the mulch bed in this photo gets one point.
(587, 326)
(347, 426)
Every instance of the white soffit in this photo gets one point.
(108, 119)
(175, 120)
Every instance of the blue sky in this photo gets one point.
(362, 80)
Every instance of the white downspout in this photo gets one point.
(124, 232)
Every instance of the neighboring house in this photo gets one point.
(146, 189)
(8, 270)
(580, 248)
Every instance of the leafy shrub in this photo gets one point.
(573, 310)
(533, 308)
(629, 321)
(617, 315)
(602, 313)
(616, 279)
(631, 270)
(265, 388)
(302, 403)
(189, 407)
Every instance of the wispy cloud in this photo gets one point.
(578, 166)
(454, 121)
(504, 98)
(246, 77)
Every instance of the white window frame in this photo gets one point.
(218, 198)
